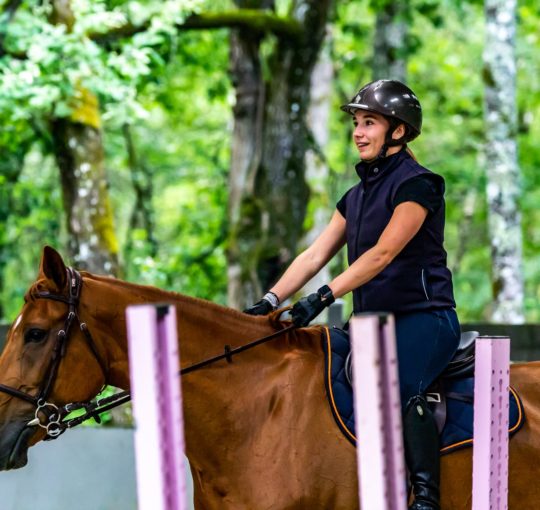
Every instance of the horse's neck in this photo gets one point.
(226, 405)
(203, 327)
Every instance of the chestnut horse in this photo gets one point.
(259, 431)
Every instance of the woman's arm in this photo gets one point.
(309, 262)
(405, 222)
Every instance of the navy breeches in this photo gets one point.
(426, 343)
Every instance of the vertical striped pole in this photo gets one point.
(381, 465)
(157, 407)
(491, 415)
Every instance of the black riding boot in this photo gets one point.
(421, 441)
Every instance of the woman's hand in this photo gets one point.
(307, 308)
(262, 307)
(267, 304)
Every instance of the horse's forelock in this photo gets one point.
(40, 285)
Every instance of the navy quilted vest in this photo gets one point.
(418, 278)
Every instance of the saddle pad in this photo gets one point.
(458, 429)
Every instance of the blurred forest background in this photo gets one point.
(198, 145)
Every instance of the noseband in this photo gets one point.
(53, 413)
(55, 422)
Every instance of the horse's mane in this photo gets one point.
(205, 306)
(151, 294)
(305, 338)
(40, 285)
(161, 294)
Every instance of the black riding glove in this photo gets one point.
(263, 307)
(307, 308)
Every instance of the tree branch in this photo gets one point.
(251, 19)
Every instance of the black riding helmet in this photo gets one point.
(396, 102)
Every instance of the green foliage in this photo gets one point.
(172, 87)
(528, 66)
(58, 61)
(32, 222)
(182, 133)
(444, 74)
(185, 143)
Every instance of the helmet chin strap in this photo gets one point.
(389, 142)
(382, 152)
(393, 124)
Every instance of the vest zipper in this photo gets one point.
(424, 284)
(359, 221)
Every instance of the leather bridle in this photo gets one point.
(54, 414)
(55, 422)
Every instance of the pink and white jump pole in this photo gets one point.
(157, 407)
(491, 416)
(381, 464)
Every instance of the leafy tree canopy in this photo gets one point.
(172, 88)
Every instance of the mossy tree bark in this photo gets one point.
(78, 148)
(268, 190)
(79, 152)
(503, 175)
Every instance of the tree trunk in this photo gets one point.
(269, 193)
(142, 212)
(390, 43)
(317, 170)
(244, 210)
(79, 153)
(503, 177)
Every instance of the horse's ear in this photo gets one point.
(52, 267)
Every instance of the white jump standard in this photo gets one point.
(377, 410)
(157, 407)
(491, 416)
(381, 466)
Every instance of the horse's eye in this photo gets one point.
(35, 335)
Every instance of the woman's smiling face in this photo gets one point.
(369, 134)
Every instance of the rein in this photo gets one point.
(229, 353)
(55, 423)
(95, 408)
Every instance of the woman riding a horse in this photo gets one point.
(392, 222)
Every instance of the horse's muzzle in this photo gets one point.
(14, 439)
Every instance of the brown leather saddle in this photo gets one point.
(461, 366)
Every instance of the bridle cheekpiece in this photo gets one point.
(54, 415)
